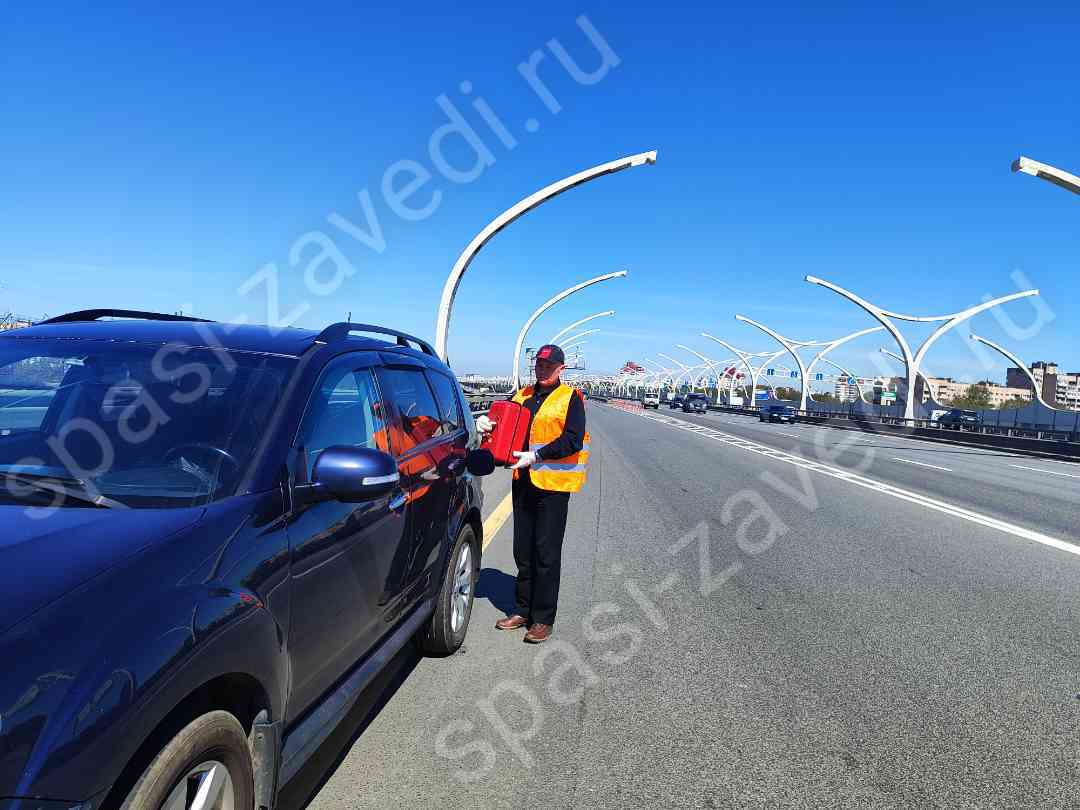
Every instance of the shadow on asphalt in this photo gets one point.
(498, 588)
(312, 778)
(495, 586)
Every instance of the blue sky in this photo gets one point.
(175, 159)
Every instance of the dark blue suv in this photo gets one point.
(214, 536)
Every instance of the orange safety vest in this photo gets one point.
(565, 474)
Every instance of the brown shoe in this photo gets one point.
(511, 622)
(538, 633)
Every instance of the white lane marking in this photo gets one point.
(922, 464)
(1048, 472)
(876, 486)
(1058, 461)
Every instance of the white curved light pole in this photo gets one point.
(685, 371)
(709, 363)
(546, 306)
(792, 346)
(913, 360)
(661, 375)
(744, 357)
(1019, 364)
(753, 374)
(576, 324)
(446, 304)
(570, 340)
(1044, 171)
(833, 345)
(769, 361)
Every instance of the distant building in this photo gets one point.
(946, 389)
(846, 392)
(1062, 390)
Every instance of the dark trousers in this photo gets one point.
(539, 525)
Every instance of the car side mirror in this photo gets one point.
(480, 462)
(350, 475)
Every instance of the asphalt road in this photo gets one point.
(754, 619)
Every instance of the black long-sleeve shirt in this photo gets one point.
(573, 435)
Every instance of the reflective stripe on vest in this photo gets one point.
(567, 474)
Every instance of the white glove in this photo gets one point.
(525, 459)
(484, 425)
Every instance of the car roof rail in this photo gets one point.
(340, 331)
(98, 314)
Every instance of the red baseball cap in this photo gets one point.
(551, 353)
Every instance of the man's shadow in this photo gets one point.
(498, 588)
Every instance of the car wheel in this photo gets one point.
(207, 765)
(445, 631)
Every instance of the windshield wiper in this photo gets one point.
(65, 487)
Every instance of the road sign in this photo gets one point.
(761, 395)
(888, 396)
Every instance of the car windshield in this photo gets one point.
(85, 423)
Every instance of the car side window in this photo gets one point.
(447, 399)
(417, 414)
(344, 410)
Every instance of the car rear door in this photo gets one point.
(346, 558)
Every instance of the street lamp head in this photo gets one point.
(1059, 177)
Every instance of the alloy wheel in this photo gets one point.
(207, 786)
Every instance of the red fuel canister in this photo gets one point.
(511, 428)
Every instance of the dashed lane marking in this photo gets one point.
(869, 483)
(922, 464)
(1048, 472)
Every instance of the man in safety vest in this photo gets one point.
(551, 465)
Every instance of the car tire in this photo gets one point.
(445, 631)
(206, 749)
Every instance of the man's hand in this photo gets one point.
(485, 425)
(525, 459)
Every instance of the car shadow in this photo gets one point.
(498, 588)
(495, 586)
(303, 788)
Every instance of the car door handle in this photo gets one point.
(399, 500)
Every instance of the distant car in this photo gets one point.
(958, 419)
(777, 413)
(650, 401)
(676, 401)
(695, 403)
